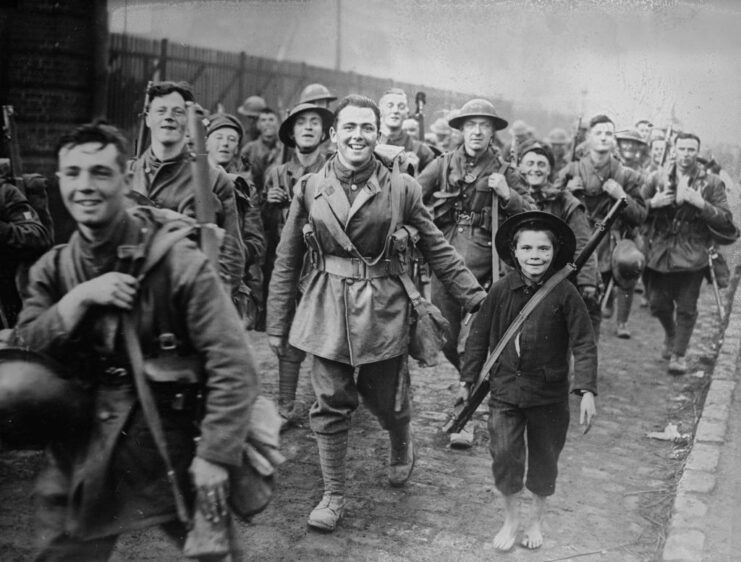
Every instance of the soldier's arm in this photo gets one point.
(287, 269)
(716, 212)
(215, 332)
(579, 224)
(520, 199)
(20, 227)
(253, 232)
(636, 210)
(223, 187)
(581, 342)
(444, 260)
(477, 343)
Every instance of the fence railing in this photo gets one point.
(227, 78)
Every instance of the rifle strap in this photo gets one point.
(149, 409)
(515, 327)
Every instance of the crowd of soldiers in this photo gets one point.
(329, 221)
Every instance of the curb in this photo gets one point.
(685, 541)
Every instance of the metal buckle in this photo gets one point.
(167, 341)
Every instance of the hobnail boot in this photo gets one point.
(677, 365)
(623, 332)
(328, 512)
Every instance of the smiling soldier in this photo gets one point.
(354, 310)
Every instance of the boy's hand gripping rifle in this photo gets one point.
(465, 410)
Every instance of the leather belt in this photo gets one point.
(355, 268)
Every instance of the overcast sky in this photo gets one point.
(628, 58)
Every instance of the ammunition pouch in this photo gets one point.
(171, 367)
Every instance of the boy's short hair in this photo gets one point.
(535, 227)
(357, 100)
(98, 132)
(598, 119)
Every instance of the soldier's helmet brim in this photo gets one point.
(477, 108)
(537, 220)
(285, 133)
(38, 405)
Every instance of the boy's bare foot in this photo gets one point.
(504, 540)
(533, 536)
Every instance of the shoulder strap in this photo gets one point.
(333, 225)
(446, 158)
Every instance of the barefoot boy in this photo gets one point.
(529, 403)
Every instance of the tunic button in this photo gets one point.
(353, 187)
(349, 281)
(518, 373)
(460, 229)
(489, 243)
(104, 415)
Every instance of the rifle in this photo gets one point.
(420, 100)
(141, 135)
(205, 209)
(463, 412)
(576, 140)
(713, 255)
(11, 139)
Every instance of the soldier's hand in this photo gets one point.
(499, 184)
(587, 410)
(694, 198)
(211, 482)
(412, 159)
(277, 344)
(110, 289)
(613, 189)
(575, 184)
(588, 292)
(661, 199)
(463, 391)
(276, 196)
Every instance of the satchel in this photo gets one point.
(429, 329)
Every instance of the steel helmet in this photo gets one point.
(477, 108)
(38, 405)
(557, 136)
(286, 128)
(314, 93)
(627, 264)
(252, 106)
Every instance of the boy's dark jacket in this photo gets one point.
(540, 373)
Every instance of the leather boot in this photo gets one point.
(332, 452)
(401, 459)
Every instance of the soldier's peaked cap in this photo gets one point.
(478, 108)
(537, 220)
(315, 92)
(222, 121)
(285, 133)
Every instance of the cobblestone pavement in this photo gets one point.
(613, 500)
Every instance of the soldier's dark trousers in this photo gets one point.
(672, 298)
(338, 393)
(532, 437)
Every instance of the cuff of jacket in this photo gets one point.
(474, 303)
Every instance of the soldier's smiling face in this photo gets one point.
(536, 168)
(307, 131)
(167, 119)
(92, 183)
(356, 134)
(222, 145)
(394, 110)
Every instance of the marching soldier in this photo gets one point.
(265, 151)
(163, 176)
(112, 479)
(558, 140)
(304, 130)
(223, 138)
(22, 239)
(685, 207)
(394, 108)
(250, 109)
(354, 311)
(597, 180)
(464, 188)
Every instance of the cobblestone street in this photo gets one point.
(612, 503)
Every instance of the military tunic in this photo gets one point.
(113, 480)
